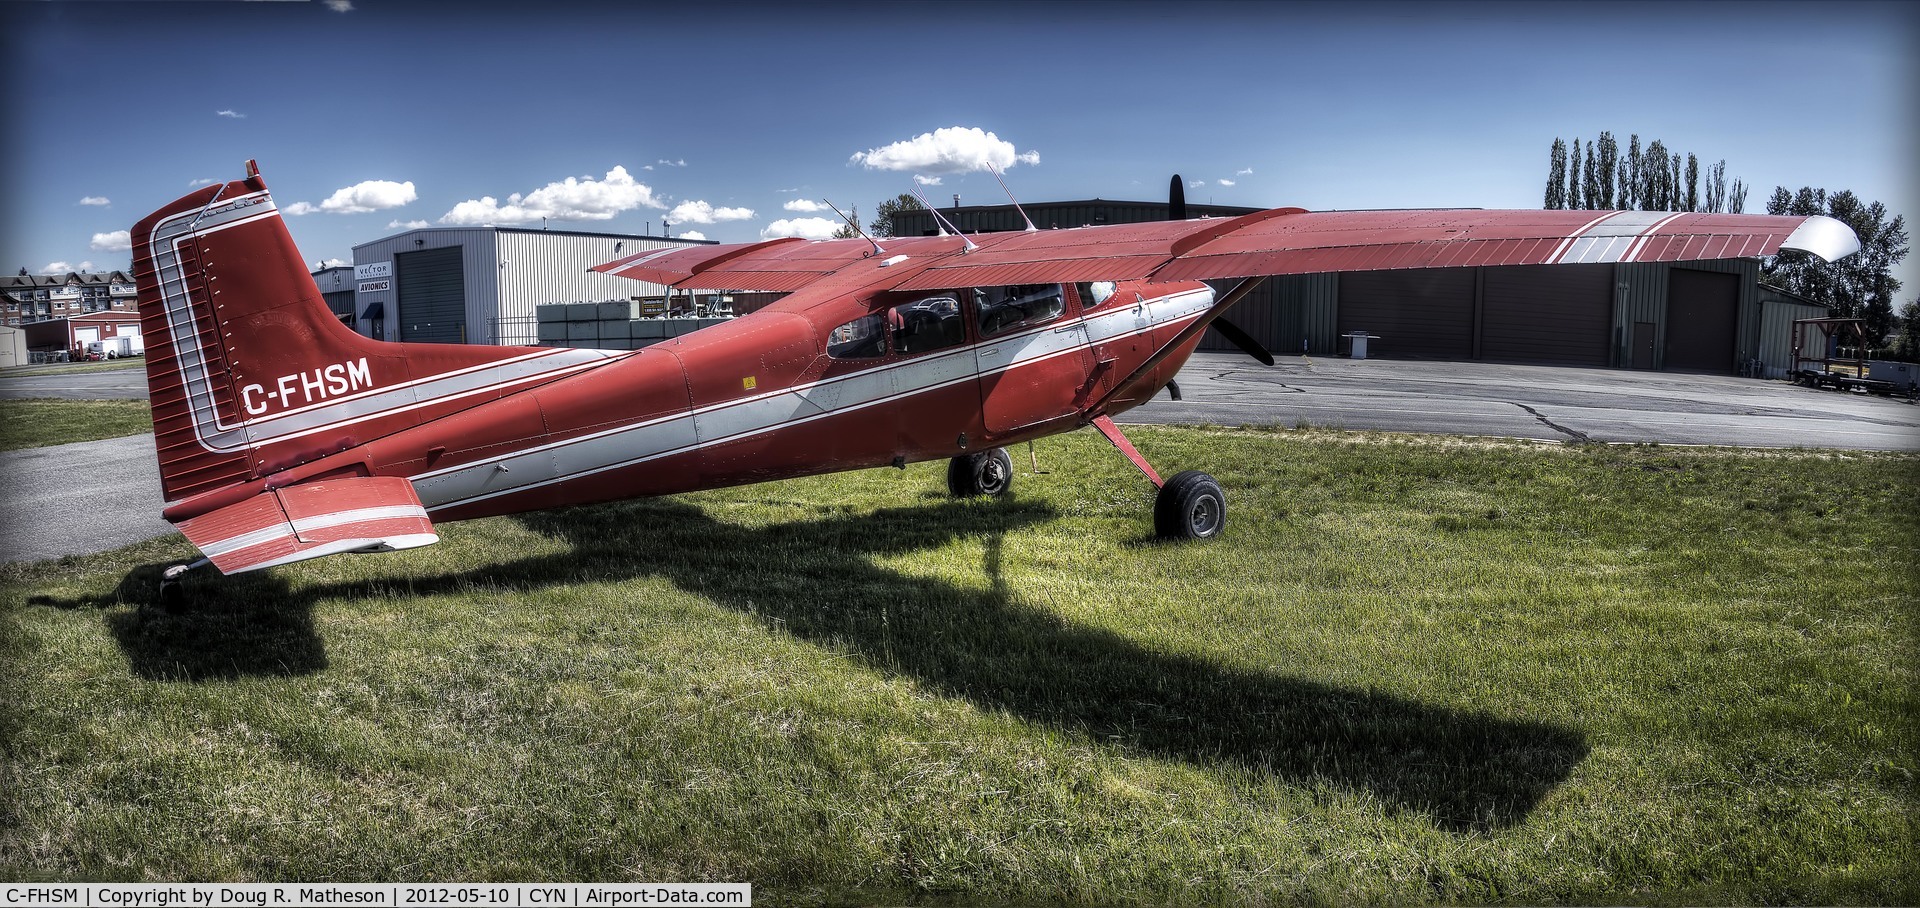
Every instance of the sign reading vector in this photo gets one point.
(309, 387)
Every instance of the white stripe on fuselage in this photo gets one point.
(549, 464)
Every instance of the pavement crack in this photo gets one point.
(1574, 434)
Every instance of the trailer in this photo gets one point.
(1830, 338)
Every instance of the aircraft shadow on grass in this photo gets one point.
(983, 643)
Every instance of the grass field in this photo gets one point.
(39, 423)
(1414, 670)
(112, 365)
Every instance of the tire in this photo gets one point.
(985, 473)
(1190, 506)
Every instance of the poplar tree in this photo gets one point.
(1573, 178)
(1693, 182)
(1609, 155)
(1590, 182)
(1631, 185)
(1557, 175)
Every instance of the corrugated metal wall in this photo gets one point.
(1546, 313)
(1640, 295)
(1777, 315)
(537, 267)
(1289, 315)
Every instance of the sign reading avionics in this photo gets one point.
(373, 287)
(372, 270)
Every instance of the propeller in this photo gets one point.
(1242, 339)
(1177, 211)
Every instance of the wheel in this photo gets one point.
(1190, 506)
(985, 473)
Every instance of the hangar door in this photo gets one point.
(1702, 315)
(1560, 314)
(433, 296)
(1422, 312)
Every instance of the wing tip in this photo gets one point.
(1828, 238)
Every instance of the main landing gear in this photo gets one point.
(172, 597)
(985, 473)
(1188, 506)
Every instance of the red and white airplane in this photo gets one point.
(282, 435)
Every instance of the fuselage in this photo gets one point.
(845, 375)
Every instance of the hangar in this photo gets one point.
(1707, 316)
(479, 285)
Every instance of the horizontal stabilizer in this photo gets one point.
(326, 517)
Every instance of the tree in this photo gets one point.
(1653, 184)
(851, 229)
(1630, 186)
(1907, 347)
(1861, 285)
(1590, 182)
(1557, 176)
(1609, 155)
(1573, 178)
(1717, 186)
(1737, 198)
(1693, 183)
(882, 225)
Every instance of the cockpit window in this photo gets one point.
(862, 338)
(929, 324)
(1004, 309)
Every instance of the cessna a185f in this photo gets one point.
(282, 435)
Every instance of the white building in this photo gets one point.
(479, 285)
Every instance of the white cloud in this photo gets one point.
(64, 267)
(117, 241)
(574, 199)
(397, 224)
(804, 205)
(951, 149)
(1196, 184)
(810, 228)
(1225, 182)
(199, 183)
(230, 114)
(693, 235)
(370, 195)
(95, 200)
(666, 163)
(334, 263)
(697, 212)
(925, 180)
(1243, 173)
(340, 6)
(299, 208)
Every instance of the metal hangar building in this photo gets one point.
(1709, 316)
(479, 285)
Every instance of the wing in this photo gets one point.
(1272, 242)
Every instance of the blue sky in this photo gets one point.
(731, 118)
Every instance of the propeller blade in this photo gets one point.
(1242, 339)
(1176, 199)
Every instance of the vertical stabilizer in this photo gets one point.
(250, 373)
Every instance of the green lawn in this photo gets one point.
(39, 423)
(1414, 670)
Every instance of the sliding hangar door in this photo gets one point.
(1659, 316)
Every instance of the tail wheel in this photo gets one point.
(985, 473)
(1190, 506)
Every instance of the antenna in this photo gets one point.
(945, 224)
(1010, 198)
(856, 228)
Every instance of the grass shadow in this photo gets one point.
(1467, 770)
(818, 580)
(243, 626)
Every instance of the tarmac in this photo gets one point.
(89, 497)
